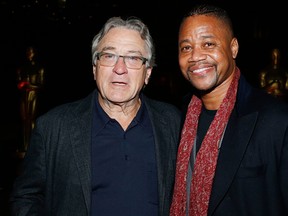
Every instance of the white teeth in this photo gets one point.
(199, 70)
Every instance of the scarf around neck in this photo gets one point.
(206, 159)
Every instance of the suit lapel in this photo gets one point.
(234, 145)
(162, 147)
(80, 135)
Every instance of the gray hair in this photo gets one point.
(130, 23)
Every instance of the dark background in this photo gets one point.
(62, 31)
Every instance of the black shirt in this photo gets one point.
(124, 172)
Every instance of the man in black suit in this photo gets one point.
(233, 153)
(111, 153)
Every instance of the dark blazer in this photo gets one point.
(252, 170)
(56, 178)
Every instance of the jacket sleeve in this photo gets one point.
(28, 189)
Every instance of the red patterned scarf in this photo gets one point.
(206, 159)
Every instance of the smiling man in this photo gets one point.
(233, 154)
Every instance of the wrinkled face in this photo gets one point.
(119, 84)
(206, 51)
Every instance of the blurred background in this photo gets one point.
(61, 31)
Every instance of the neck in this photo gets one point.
(213, 99)
(124, 112)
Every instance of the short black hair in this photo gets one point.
(211, 10)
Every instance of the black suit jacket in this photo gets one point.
(56, 178)
(252, 170)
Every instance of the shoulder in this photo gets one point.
(275, 107)
(161, 106)
(272, 112)
(68, 110)
(252, 99)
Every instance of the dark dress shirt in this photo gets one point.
(124, 171)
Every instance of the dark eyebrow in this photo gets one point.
(184, 41)
(107, 48)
